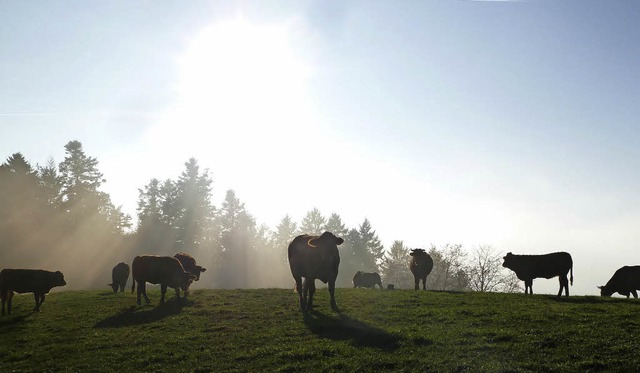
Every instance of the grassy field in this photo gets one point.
(262, 330)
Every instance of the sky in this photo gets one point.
(512, 124)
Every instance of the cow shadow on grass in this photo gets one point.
(8, 322)
(136, 315)
(345, 328)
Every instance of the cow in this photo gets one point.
(189, 265)
(366, 280)
(36, 281)
(528, 267)
(314, 257)
(420, 265)
(626, 280)
(119, 277)
(164, 270)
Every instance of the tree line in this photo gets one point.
(56, 216)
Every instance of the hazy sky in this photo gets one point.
(511, 124)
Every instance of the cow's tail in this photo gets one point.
(571, 278)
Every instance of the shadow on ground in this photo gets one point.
(9, 323)
(345, 328)
(136, 315)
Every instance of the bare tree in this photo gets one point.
(486, 272)
(449, 268)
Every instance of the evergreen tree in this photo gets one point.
(50, 184)
(395, 266)
(374, 251)
(80, 182)
(336, 226)
(195, 208)
(286, 231)
(313, 223)
(237, 242)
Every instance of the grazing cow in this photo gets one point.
(164, 270)
(314, 257)
(626, 280)
(119, 277)
(528, 267)
(421, 265)
(366, 280)
(36, 281)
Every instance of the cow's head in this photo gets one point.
(186, 280)
(197, 271)
(605, 292)
(58, 279)
(508, 260)
(326, 239)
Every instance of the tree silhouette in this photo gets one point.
(394, 266)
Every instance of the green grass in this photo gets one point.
(262, 330)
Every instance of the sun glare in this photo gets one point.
(236, 74)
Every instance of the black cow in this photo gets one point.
(626, 280)
(528, 267)
(366, 280)
(36, 281)
(119, 277)
(420, 265)
(164, 270)
(314, 257)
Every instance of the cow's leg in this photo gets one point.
(37, 298)
(312, 291)
(178, 294)
(564, 284)
(424, 283)
(122, 287)
(142, 289)
(163, 291)
(139, 291)
(332, 289)
(528, 286)
(305, 293)
(299, 291)
(417, 281)
(9, 298)
(4, 301)
(635, 294)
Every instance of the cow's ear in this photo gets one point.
(203, 269)
(600, 287)
(339, 241)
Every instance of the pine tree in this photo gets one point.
(80, 182)
(373, 248)
(237, 242)
(195, 208)
(395, 266)
(336, 226)
(313, 223)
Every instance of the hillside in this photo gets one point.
(262, 330)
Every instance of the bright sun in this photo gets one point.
(238, 76)
(241, 100)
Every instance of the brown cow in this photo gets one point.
(164, 270)
(189, 264)
(421, 265)
(119, 277)
(314, 257)
(36, 281)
